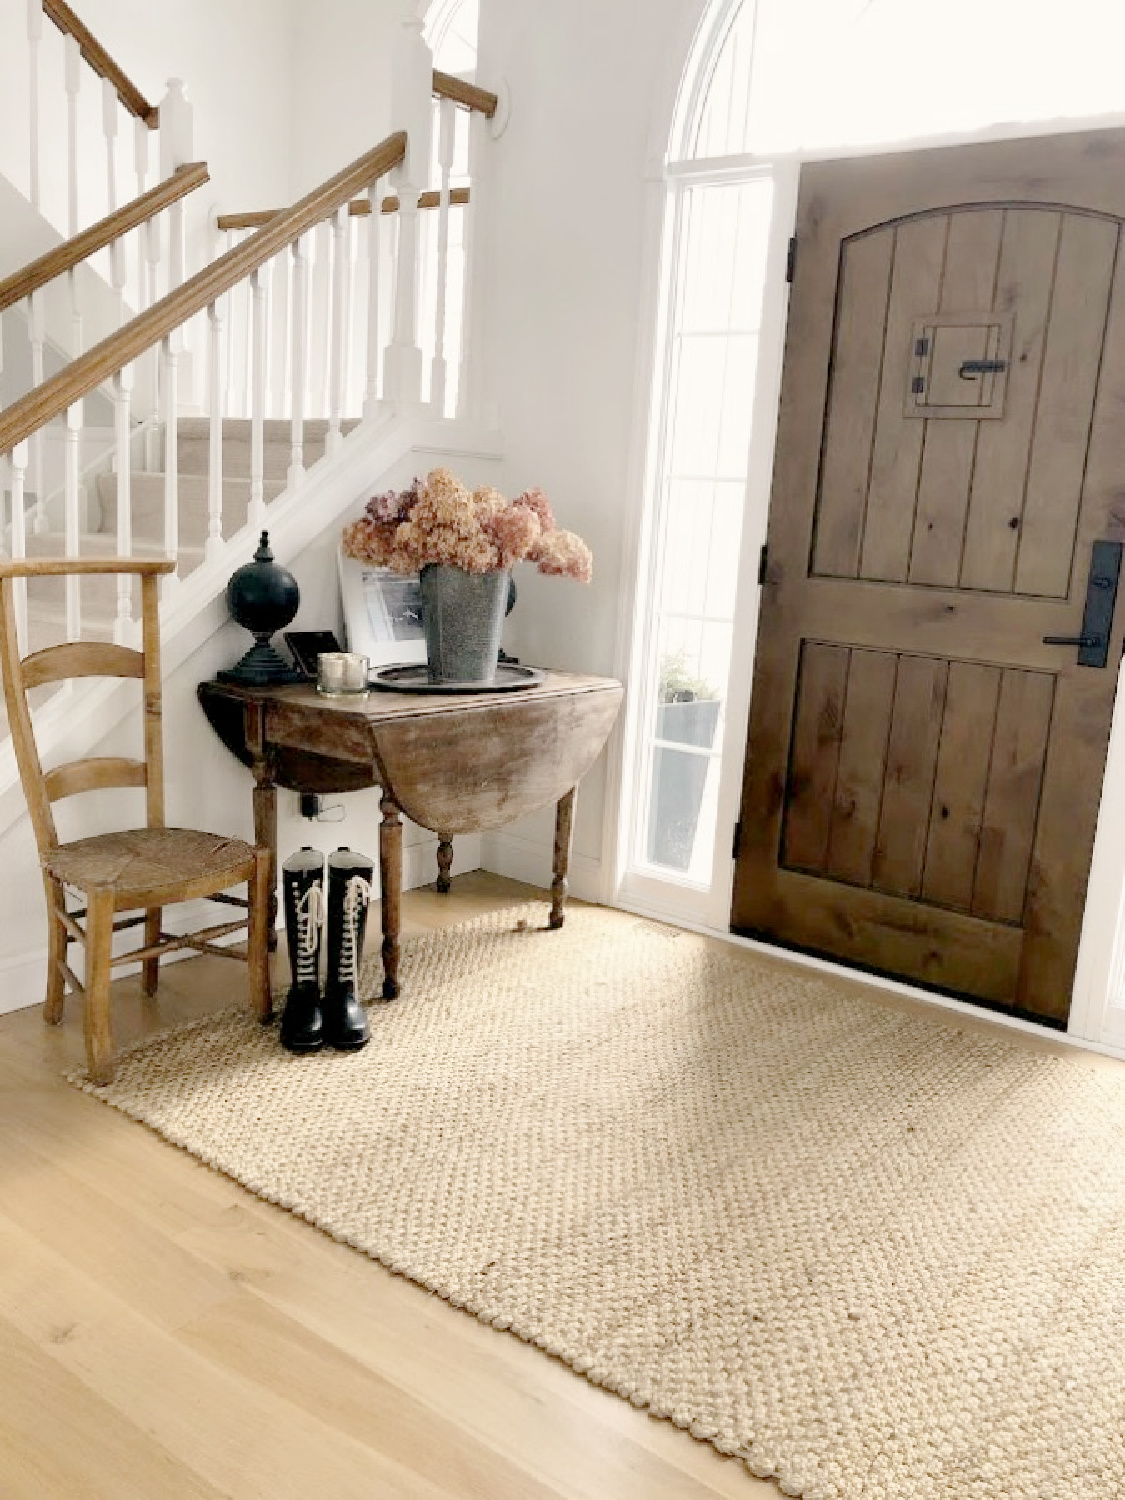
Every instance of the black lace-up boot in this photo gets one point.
(349, 893)
(302, 884)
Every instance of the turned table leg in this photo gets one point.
(390, 882)
(564, 833)
(265, 807)
(444, 864)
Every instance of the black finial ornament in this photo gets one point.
(263, 598)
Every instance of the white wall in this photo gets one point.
(565, 310)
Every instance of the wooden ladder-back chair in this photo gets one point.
(138, 870)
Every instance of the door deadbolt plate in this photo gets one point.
(958, 365)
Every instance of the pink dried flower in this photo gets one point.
(439, 520)
(536, 500)
(564, 554)
(512, 531)
(394, 505)
(369, 540)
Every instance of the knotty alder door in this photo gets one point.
(923, 771)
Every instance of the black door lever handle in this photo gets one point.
(1088, 641)
(1097, 617)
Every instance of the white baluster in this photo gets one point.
(325, 239)
(336, 336)
(351, 304)
(446, 138)
(468, 402)
(140, 153)
(72, 516)
(214, 544)
(176, 135)
(259, 316)
(374, 279)
(300, 346)
(37, 335)
(122, 399)
(34, 37)
(19, 544)
(285, 372)
(169, 380)
(412, 110)
(73, 55)
(109, 130)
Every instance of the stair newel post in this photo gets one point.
(411, 104)
(72, 55)
(338, 337)
(18, 458)
(36, 329)
(34, 37)
(176, 133)
(300, 347)
(259, 347)
(447, 134)
(374, 287)
(170, 382)
(214, 542)
(122, 409)
(72, 515)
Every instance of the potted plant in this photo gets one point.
(687, 713)
(463, 543)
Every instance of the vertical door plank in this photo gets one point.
(950, 447)
(863, 755)
(1011, 807)
(1024, 280)
(811, 786)
(1071, 366)
(908, 791)
(960, 784)
(915, 292)
(857, 357)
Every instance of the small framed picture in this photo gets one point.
(306, 646)
(382, 613)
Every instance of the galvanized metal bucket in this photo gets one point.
(463, 615)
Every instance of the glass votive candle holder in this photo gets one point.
(341, 674)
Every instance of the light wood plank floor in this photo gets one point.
(164, 1334)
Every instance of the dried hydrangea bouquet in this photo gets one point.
(463, 543)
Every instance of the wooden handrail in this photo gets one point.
(357, 207)
(101, 62)
(56, 567)
(449, 87)
(74, 251)
(84, 374)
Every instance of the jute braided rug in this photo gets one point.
(872, 1255)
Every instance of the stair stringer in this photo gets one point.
(72, 723)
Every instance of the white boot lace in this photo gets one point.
(357, 897)
(310, 915)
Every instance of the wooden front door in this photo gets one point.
(923, 771)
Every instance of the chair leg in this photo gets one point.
(150, 967)
(99, 948)
(55, 1000)
(257, 937)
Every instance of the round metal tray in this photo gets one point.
(416, 679)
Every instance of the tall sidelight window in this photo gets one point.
(718, 227)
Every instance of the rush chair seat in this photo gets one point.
(139, 870)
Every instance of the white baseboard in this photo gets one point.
(529, 860)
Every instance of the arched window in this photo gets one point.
(770, 83)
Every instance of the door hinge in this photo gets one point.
(736, 839)
(791, 258)
(762, 558)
